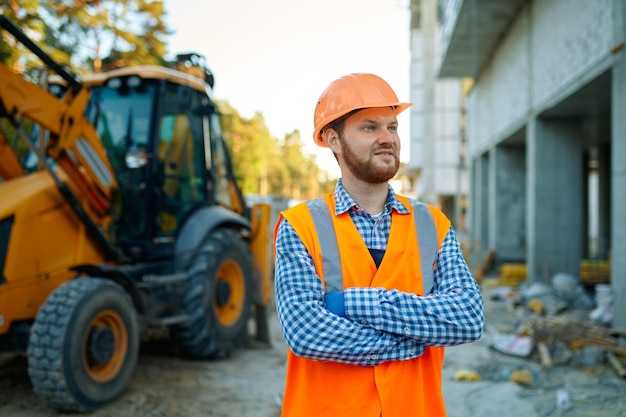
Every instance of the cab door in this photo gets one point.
(181, 169)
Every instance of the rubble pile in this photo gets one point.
(553, 341)
(562, 322)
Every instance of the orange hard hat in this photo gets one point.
(352, 92)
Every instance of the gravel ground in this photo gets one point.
(246, 384)
(250, 382)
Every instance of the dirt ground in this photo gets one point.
(250, 382)
(247, 384)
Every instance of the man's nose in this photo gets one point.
(386, 137)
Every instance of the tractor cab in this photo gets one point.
(162, 134)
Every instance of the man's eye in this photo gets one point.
(393, 128)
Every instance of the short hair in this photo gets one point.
(338, 124)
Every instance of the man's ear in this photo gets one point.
(332, 139)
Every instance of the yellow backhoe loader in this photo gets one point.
(119, 211)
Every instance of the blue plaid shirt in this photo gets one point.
(380, 325)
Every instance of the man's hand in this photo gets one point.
(335, 304)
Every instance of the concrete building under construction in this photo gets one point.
(437, 165)
(546, 130)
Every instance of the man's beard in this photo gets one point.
(365, 170)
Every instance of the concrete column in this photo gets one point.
(604, 201)
(492, 214)
(510, 203)
(479, 203)
(484, 204)
(471, 200)
(618, 177)
(531, 199)
(473, 206)
(554, 198)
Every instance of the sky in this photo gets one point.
(277, 56)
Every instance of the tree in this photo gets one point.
(86, 35)
(24, 13)
(251, 147)
(298, 168)
(303, 178)
(266, 166)
(111, 32)
(94, 35)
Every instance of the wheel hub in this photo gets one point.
(101, 345)
(222, 293)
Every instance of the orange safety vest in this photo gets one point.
(408, 388)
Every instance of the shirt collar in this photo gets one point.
(344, 202)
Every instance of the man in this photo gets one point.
(354, 272)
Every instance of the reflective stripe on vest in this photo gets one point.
(331, 261)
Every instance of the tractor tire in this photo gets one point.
(83, 345)
(218, 299)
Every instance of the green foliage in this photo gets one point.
(267, 166)
(24, 14)
(88, 35)
(94, 35)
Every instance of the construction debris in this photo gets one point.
(575, 334)
(617, 364)
(513, 344)
(512, 273)
(595, 272)
(562, 320)
(592, 271)
(521, 376)
(603, 313)
(466, 375)
(573, 376)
